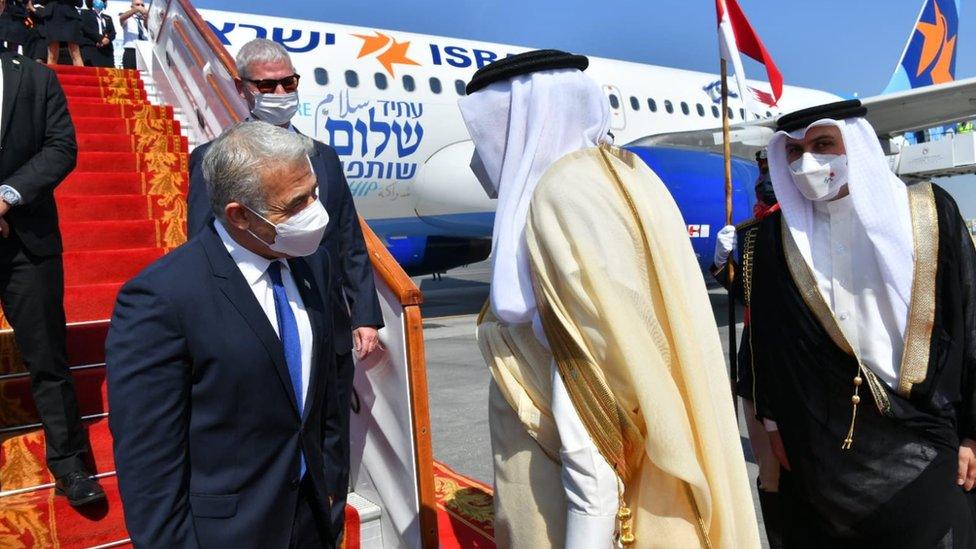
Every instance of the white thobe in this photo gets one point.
(849, 278)
(590, 483)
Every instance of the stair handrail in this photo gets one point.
(215, 66)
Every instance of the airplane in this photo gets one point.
(387, 102)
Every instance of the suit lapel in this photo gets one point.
(232, 284)
(12, 70)
(312, 298)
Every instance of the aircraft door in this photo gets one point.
(618, 120)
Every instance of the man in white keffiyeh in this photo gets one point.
(864, 335)
(611, 419)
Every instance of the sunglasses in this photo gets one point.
(269, 85)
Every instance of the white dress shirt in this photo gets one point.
(849, 277)
(255, 271)
(130, 31)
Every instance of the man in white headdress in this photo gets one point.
(611, 416)
(864, 332)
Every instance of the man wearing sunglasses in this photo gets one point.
(268, 84)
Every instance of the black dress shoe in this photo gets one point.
(79, 488)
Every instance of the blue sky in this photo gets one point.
(839, 46)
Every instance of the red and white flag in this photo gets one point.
(736, 35)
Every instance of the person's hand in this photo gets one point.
(724, 244)
(4, 228)
(776, 442)
(365, 340)
(4, 208)
(103, 42)
(967, 465)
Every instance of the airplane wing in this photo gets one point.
(920, 108)
(890, 114)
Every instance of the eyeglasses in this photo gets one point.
(269, 85)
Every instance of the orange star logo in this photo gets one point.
(937, 48)
(372, 44)
(395, 54)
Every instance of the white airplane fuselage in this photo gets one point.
(387, 102)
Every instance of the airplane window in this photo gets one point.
(668, 106)
(459, 86)
(714, 111)
(684, 107)
(742, 114)
(768, 114)
(701, 110)
(614, 102)
(408, 83)
(731, 114)
(380, 80)
(652, 104)
(634, 103)
(352, 79)
(321, 77)
(435, 85)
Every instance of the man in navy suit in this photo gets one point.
(221, 364)
(269, 85)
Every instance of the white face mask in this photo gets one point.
(819, 177)
(481, 174)
(275, 109)
(301, 234)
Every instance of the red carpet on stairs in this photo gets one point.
(120, 209)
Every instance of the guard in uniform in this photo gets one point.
(742, 238)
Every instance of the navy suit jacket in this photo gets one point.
(206, 430)
(353, 296)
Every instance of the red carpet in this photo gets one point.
(123, 207)
(464, 510)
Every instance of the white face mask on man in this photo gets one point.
(299, 235)
(275, 109)
(819, 177)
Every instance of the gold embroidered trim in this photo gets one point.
(698, 515)
(749, 237)
(616, 437)
(921, 311)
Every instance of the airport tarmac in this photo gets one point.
(457, 377)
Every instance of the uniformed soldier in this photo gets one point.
(742, 238)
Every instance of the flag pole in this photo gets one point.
(730, 267)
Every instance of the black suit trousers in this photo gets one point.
(32, 296)
(345, 374)
(308, 530)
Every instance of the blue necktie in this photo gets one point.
(288, 332)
